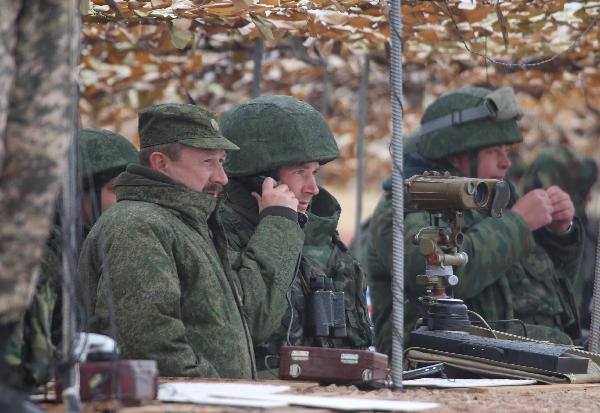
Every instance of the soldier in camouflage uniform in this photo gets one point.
(102, 155)
(285, 140)
(561, 166)
(520, 266)
(156, 263)
(36, 84)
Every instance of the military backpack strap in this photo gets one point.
(304, 271)
(338, 246)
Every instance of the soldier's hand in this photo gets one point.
(535, 207)
(275, 195)
(563, 210)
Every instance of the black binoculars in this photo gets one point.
(326, 309)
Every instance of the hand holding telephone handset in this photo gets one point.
(268, 192)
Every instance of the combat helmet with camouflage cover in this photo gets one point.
(469, 119)
(101, 155)
(273, 131)
(562, 166)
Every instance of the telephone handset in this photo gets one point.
(254, 184)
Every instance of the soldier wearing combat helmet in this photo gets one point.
(101, 156)
(519, 266)
(283, 142)
(564, 167)
(176, 298)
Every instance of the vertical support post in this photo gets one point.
(363, 100)
(70, 211)
(397, 193)
(325, 83)
(324, 104)
(595, 325)
(257, 58)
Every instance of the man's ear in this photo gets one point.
(158, 161)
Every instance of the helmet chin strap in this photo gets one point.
(473, 163)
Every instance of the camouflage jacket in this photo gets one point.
(327, 257)
(162, 254)
(511, 273)
(30, 353)
(265, 258)
(562, 166)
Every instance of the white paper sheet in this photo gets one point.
(351, 404)
(451, 383)
(239, 389)
(216, 401)
(269, 396)
(200, 393)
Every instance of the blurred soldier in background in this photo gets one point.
(36, 89)
(101, 156)
(561, 166)
(520, 266)
(518, 166)
(284, 141)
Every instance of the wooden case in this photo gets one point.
(332, 365)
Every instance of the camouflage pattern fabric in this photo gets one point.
(511, 273)
(189, 125)
(466, 136)
(265, 258)
(35, 98)
(161, 254)
(102, 155)
(323, 255)
(562, 166)
(293, 130)
(30, 352)
(324, 247)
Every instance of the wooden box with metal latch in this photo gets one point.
(332, 365)
(131, 381)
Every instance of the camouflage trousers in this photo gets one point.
(36, 85)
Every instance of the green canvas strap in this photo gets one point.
(500, 105)
(458, 118)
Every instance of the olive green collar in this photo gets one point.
(238, 198)
(323, 219)
(139, 183)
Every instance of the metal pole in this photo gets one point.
(70, 211)
(257, 58)
(324, 105)
(363, 100)
(397, 193)
(595, 325)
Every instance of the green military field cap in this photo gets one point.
(189, 125)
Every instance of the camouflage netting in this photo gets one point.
(152, 51)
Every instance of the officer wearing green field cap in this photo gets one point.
(562, 166)
(520, 266)
(158, 258)
(101, 156)
(283, 142)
